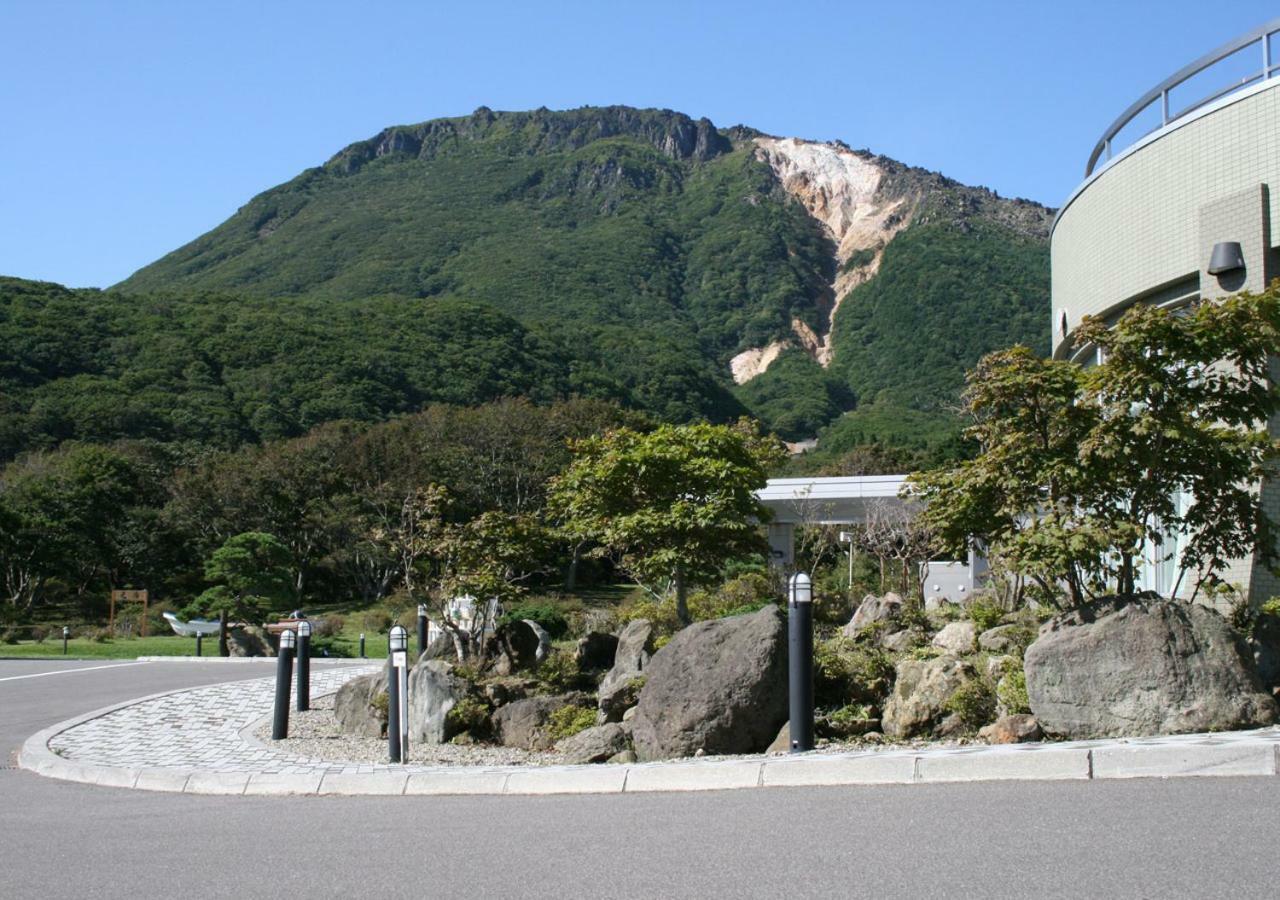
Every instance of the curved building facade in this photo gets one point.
(1182, 213)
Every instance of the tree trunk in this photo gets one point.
(571, 577)
(223, 649)
(682, 600)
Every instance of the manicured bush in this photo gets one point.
(847, 672)
(985, 614)
(469, 714)
(569, 720)
(1011, 692)
(974, 702)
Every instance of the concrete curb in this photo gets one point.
(1230, 754)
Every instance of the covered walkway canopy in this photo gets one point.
(850, 501)
(829, 501)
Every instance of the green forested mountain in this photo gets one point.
(624, 254)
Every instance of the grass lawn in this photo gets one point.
(117, 648)
(161, 645)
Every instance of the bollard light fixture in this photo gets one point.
(800, 662)
(304, 629)
(399, 639)
(801, 588)
(422, 610)
(288, 640)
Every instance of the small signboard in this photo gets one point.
(400, 659)
(129, 596)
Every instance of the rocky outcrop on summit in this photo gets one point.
(674, 134)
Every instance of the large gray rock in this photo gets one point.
(717, 686)
(617, 692)
(357, 709)
(921, 689)
(1003, 638)
(1264, 645)
(524, 722)
(596, 650)
(957, 637)
(249, 640)
(525, 644)
(1142, 667)
(874, 609)
(434, 689)
(902, 641)
(594, 745)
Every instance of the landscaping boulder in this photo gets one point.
(718, 686)
(524, 723)
(874, 609)
(617, 692)
(249, 640)
(524, 645)
(595, 650)
(434, 689)
(441, 648)
(594, 745)
(357, 707)
(1014, 729)
(1264, 645)
(782, 743)
(501, 691)
(921, 689)
(1143, 666)
(902, 641)
(1003, 638)
(958, 638)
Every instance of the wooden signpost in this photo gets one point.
(123, 597)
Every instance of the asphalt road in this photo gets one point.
(1206, 837)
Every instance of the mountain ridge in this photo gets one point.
(684, 269)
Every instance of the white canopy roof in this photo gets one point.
(829, 501)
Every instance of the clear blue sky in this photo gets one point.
(128, 128)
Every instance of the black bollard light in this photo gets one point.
(422, 628)
(362, 645)
(284, 674)
(397, 695)
(304, 666)
(800, 661)
(199, 643)
(66, 633)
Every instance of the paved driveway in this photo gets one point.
(1141, 838)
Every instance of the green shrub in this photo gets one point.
(469, 714)
(569, 720)
(39, 634)
(846, 672)
(1011, 691)
(985, 614)
(559, 672)
(381, 704)
(548, 616)
(327, 626)
(850, 720)
(661, 613)
(10, 636)
(744, 594)
(974, 702)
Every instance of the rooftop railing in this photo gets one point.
(1228, 56)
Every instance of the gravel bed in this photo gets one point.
(315, 734)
